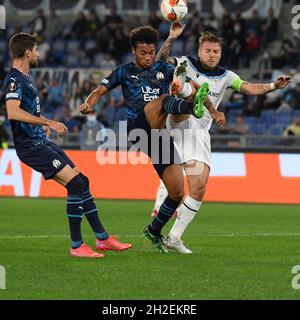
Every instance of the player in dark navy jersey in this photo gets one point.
(145, 84)
(38, 152)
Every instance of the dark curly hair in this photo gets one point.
(145, 34)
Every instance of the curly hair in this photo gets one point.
(145, 34)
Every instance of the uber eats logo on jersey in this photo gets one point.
(150, 94)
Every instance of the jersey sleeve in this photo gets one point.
(170, 68)
(13, 89)
(234, 81)
(114, 79)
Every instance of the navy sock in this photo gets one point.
(177, 106)
(165, 212)
(91, 212)
(75, 210)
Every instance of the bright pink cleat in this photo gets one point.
(84, 251)
(111, 243)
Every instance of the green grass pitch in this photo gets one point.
(241, 251)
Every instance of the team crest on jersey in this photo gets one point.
(12, 87)
(56, 163)
(160, 76)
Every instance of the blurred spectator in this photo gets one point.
(239, 127)
(38, 23)
(283, 107)
(90, 136)
(293, 96)
(44, 50)
(113, 20)
(272, 25)
(55, 98)
(94, 24)
(79, 27)
(251, 47)
(54, 26)
(293, 129)
(254, 23)
(70, 122)
(153, 20)
(107, 62)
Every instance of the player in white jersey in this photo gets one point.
(194, 147)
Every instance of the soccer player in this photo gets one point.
(145, 84)
(197, 160)
(38, 152)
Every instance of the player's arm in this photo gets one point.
(256, 89)
(217, 116)
(107, 84)
(14, 112)
(45, 128)
(164, 52)
(92, 99)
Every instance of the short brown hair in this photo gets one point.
(20, 42)
(210, 37)
(145, 34)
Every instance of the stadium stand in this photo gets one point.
(95, 39)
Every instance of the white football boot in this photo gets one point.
(176, 245)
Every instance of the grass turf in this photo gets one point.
(240, 251)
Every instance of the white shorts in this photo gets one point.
(192, 141)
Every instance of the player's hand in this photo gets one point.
(219, 118)
(58, 127)
(85, 109)
(47, 131)
(176, 30)
(282, 82)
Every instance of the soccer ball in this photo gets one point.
(174, 10)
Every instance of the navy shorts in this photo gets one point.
(160, 145)
(49, 159)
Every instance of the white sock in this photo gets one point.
(161, 195)
(187, 212)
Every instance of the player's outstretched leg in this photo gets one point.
(161, 195)
(103, 240)
(189, 208)
(75, 211)
(200, 97)
(173, 180)
(179, 78)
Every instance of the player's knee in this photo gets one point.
(198, 192)
(75, 186)
(177, 194)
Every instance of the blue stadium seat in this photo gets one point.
(71, 61)
(234, 112)
(72, 46)
(59, 46)
(251, 120)
(258, 128)
(296, 113)
(277, 129)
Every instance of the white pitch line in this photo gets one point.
(229, 235)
